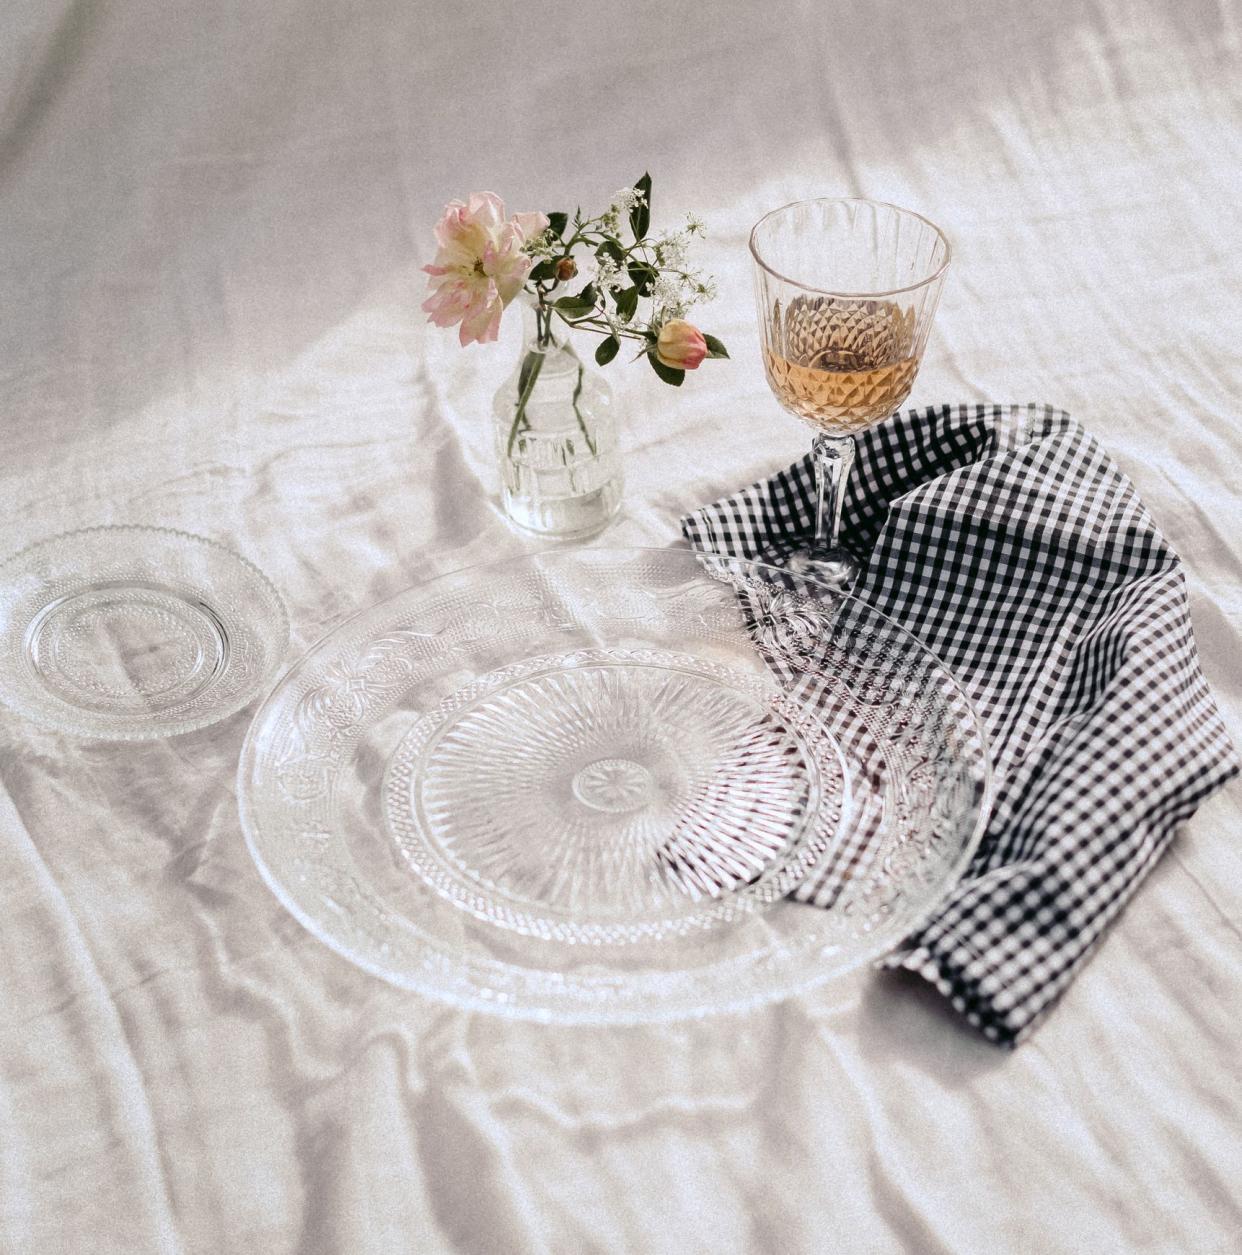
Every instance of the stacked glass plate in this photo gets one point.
(583, 786)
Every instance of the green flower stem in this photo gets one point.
(578, 415)
(531, 367)
(592, 323)
(644, 268)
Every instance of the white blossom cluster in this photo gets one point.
(619, 206)
(672, 294)
(677, 288)
(675, 291)
(609, 276)
(672, 247)
(543, 245)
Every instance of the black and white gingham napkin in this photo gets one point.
(1007, 540)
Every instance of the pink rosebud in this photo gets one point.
(479, 266)
(681, 345)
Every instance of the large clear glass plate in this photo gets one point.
(581, 786)
(130, 633)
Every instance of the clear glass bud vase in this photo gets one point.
(556, 440)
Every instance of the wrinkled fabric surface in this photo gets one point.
(211, 223)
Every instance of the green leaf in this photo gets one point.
(714, 347)
(640, 215)
(610, 248)
(557, 223)
(667, 373)
(578, 306)
(546, 269)
(643, 277)
(606, 350)
(529, 362)
(627, 303)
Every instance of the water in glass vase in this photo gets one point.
(847, 364)
(556, 442)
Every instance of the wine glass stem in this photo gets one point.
(834, 455)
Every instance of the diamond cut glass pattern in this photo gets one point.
(581, 786)
(846, 291)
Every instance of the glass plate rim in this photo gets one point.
(84, 728)
(476, 1001)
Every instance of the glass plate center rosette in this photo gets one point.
(581, 786)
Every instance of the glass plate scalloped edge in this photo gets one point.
(64, 720)
(485, 1001)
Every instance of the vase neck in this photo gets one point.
(542, 331)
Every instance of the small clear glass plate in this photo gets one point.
(581, 786)
(130, 633)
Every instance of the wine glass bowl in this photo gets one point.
(847, 291)
(845, 364)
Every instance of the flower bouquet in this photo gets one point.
(605, 275)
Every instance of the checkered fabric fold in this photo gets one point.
(1010, 544)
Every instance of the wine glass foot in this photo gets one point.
(838, 568)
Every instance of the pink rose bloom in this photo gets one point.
(479, 266)
(681, 345)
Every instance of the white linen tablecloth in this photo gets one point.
(211, 220)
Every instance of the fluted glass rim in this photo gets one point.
(927, 281)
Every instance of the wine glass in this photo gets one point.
(847, 290)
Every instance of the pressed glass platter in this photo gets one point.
(129, 633)
(605, 785)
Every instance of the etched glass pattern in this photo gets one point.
(847, 290)
(129, 633)
(582, 786)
